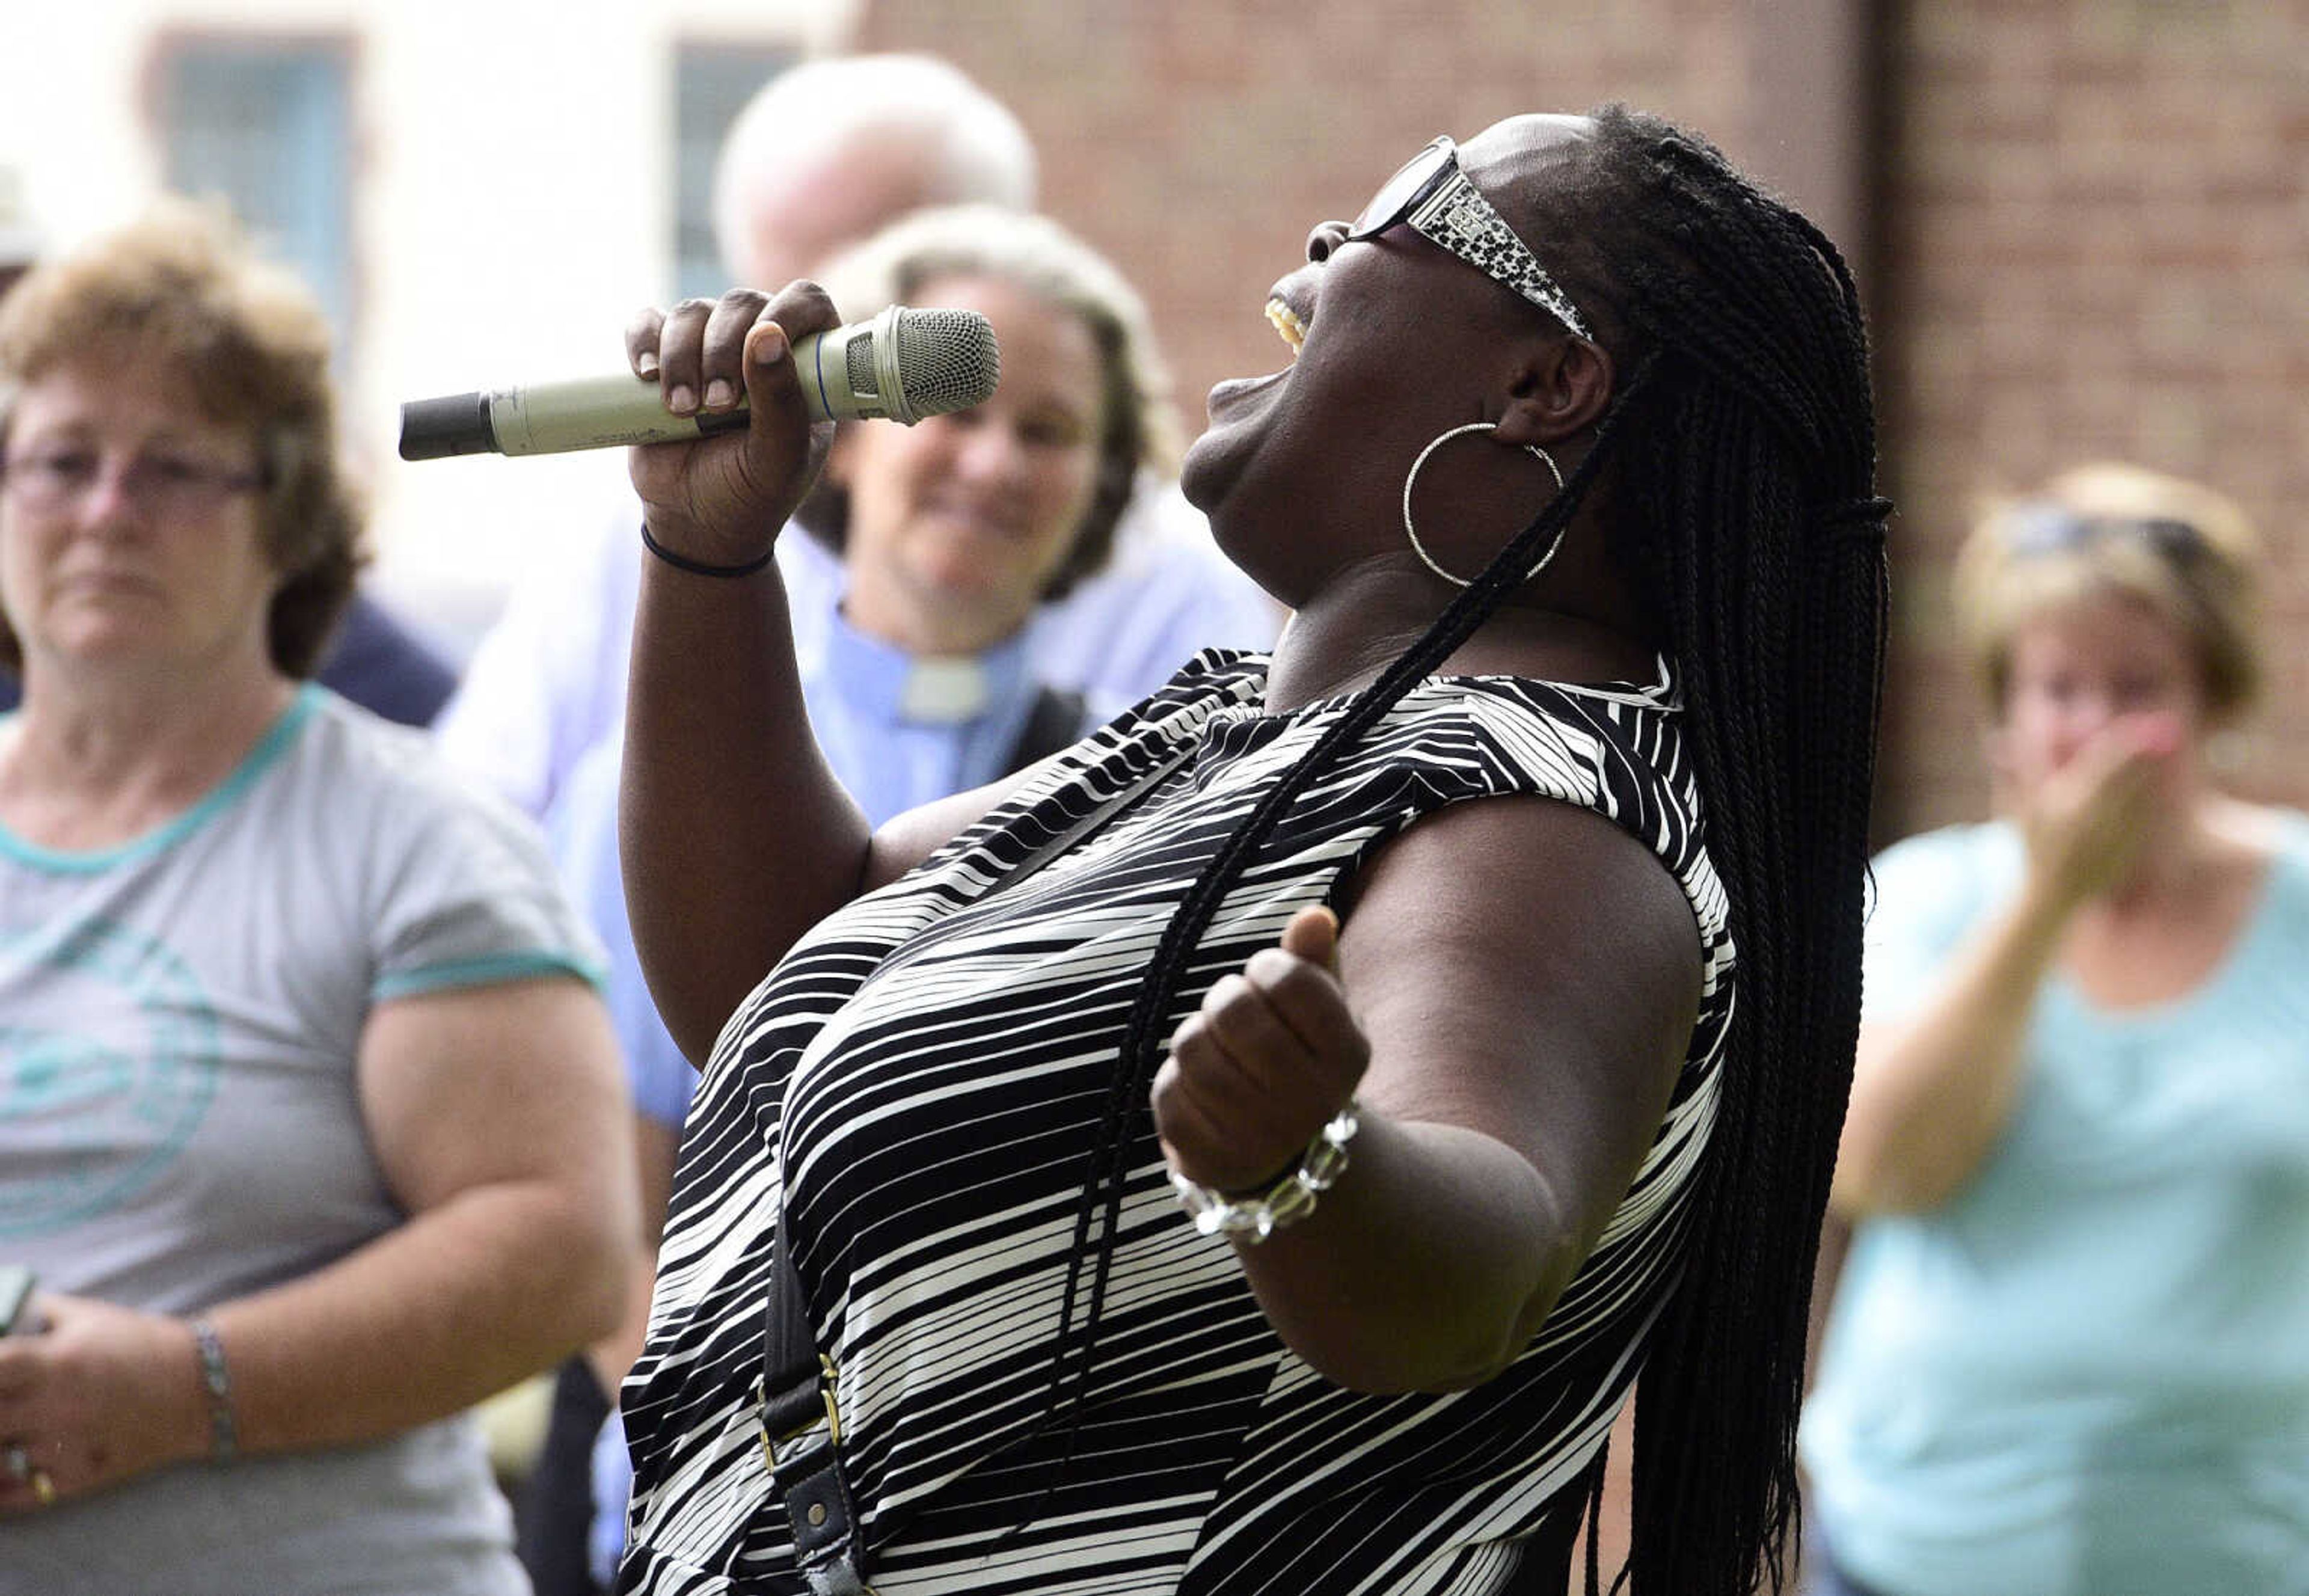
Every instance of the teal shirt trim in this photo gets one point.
(492, 970)
(169, 833)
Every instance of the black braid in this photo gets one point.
(1759, 534)
(1742, 440)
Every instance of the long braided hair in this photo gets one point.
(1742, 456)
(1750, 488)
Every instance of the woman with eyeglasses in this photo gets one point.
(307, 1108)
(1258, 1148)
(2070, 1353)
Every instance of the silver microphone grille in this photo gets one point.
(858, 368)
(946, 360)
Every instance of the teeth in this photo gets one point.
(1287, 323)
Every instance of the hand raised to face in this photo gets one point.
(1254, 1074)
(720, 500)
(2086, 823)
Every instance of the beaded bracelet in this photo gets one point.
(698, 567)
(216, 1383)
(1285, 1202)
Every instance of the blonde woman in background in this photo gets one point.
(2069, 1355)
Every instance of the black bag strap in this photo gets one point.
(799, 1383)
(791, 1389)
(1107, 812)
(805, 1459)
(1055, 721)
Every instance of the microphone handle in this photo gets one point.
(596, 413)
(848, 373)
(549, 418)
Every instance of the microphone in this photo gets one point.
(901, 366)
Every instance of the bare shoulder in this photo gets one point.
(1558, 884)
(1524, 961)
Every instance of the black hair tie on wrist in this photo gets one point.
(697, 568)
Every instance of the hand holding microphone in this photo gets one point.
(758, 382)
(901, 366)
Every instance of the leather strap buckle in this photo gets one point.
(806, 1470)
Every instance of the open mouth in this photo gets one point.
(1287, 323)
(1292, 328)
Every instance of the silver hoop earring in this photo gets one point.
(1410, 532)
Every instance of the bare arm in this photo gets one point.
(1932, 1094)
(1930, 1097)
(498, 1120)
(1522, 979)
(735, 836)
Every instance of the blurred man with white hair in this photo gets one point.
(830, 151)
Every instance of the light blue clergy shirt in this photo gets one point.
(897, 731)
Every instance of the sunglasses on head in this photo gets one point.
(1441, 205)
(2053, 528)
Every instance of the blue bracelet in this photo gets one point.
(216, 1380)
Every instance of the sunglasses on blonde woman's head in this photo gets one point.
(2051, 529)
(1443, 206)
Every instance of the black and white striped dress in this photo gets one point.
(921, 1080)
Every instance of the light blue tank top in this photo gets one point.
(2087, 1373)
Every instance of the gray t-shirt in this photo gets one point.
(180, 1124)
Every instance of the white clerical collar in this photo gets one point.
(944, 689)
(893, 686)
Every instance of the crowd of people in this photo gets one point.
(970, 1054)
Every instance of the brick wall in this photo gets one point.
(2095, 220)
(1198, 142)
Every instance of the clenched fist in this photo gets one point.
(1254, 1074)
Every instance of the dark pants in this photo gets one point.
(555, 1512)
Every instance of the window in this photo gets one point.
(266, 125)
(711, 84)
